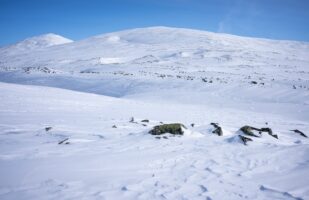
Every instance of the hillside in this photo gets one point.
(66, 109)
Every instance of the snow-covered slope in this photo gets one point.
(165, 75)
(161, 62)
(34, 43)
(102, 162)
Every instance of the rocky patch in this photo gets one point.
(174, 129)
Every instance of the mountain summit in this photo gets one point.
(38, 42)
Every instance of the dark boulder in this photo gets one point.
(218, 129)
(175, 129)
(248, 130)
(48, 128)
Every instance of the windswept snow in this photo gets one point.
(88, 90)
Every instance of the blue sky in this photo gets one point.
(78, 19)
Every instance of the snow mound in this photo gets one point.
(190, 133)
(40, 41)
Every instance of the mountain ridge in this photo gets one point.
(167, 29)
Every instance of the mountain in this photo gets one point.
(152, 62)
(75, 116)
(35, 43)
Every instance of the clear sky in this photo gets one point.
(78, 19)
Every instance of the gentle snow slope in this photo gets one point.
(101, 162)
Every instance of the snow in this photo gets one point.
(111, 60)
(82, 89)
(37, 42)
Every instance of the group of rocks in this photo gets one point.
(248, 131)
(178, 129)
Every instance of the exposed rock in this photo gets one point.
(114, 126)
(269, 131)
(245, 139)
(65, 140)
(299, 132)
(248, 130)
(175, 129)
(253, 82)
(133, 121)
(192, 124)
(218, 129)
(48, 128)
(145, 121)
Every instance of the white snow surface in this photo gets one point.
(166, 75)
(34, 43)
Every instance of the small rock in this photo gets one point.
(48, 128)
(299, 132)
(218, 129)
(114, 126)
(269, 131)
(145, 121)
(62, 141)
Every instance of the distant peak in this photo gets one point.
(41, 41)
